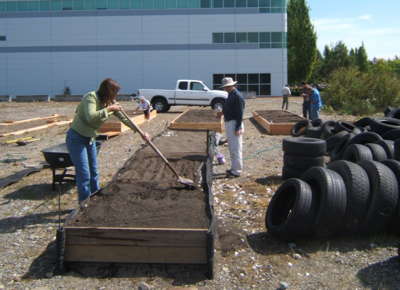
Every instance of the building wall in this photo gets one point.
(43, 54)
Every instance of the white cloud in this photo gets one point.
(365, 17)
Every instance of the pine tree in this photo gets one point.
(361, 59)
(302, 42)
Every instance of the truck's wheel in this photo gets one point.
(160, 105)
(217, 104)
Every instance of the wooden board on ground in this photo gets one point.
(195, 119)
(37, 128)
(114, 125)
(276, 122)
(19, 175)
(10, 122)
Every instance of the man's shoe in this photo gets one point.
(229, 173)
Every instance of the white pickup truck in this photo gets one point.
(187, 92)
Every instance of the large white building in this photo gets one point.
(47, 45)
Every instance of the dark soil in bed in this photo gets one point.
(22, 126)
(278, 116)
(198, 116)
(145, 193)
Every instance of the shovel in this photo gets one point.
(133, 126)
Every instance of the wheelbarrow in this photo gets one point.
(59, 160)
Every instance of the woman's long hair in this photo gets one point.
(108, 91)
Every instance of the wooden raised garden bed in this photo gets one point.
(276, 122)
(114, 126)
(197, 120)
(144, 216)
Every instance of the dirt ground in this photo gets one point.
(246, 257)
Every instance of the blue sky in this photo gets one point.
(376, 23)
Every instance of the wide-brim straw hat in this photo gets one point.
(228, 82)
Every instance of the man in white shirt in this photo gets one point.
(286, 93)
(144, 105)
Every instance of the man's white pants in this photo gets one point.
(235, 146)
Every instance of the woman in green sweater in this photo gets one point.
(95, 108)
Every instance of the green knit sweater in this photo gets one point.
(90, 115)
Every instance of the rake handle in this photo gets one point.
(136, 127)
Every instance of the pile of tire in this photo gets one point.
(344, 198)
(300, 154)
(368, 138)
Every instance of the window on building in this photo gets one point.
(241, 37)
(229, 3)
(218, 38)
(3, 38)
(265, 6)
(218, 4)
(253, 36)
(256, 83)
(183, 85)
(229, 37)
(205, 4)
(241, 3)
(264, 39)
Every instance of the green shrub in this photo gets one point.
(358, 93)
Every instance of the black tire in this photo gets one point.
(302, 162)
(317, 123)
(397, 149)
(388, 146)
(335, 140)
(394, 165)
(160, 104)
(313, 132)
(291, 212)
(395, 113)
(378, 153)
(383, 197)
(327, 129)
(300, 128)
(364, 138)
(289, 172)
(337, 152)
(329, 191)
(344, 126)
(304, 146)
(217, 103)
(388, 112)
(392, 134)
(363, 122)
(357, 187)
(357, 152)
(381, 126)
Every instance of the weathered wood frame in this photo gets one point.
(216, 126)
(274, 128)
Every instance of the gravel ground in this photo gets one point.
(246, 257)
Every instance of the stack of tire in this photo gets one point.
(300, 154)
(366, 137)
(344, 198)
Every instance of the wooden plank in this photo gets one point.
(9, 123)
(124, 254)
(133, 245)
(37, 128)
